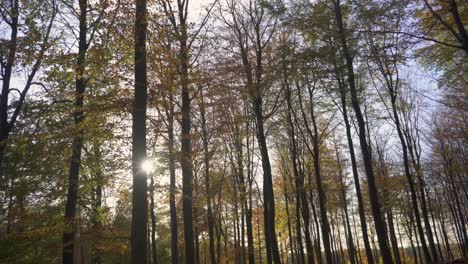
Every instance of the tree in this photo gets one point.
(12, 52)
(139, 195)
(255, 19)
(78, 116)
(375, 205)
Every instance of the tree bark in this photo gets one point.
(172, 187)
(77, 144)
(139, 198)
(357, 185)
(315, 138)
(374, 199)
(351, 248)
(186, 144)
(206, 158)
(6, 77)
(301, 198)
(409, 177)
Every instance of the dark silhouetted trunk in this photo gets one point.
(357, 185)
(172, 187)
(269, 202)
(186, 144)
(415, 159)
(139, 202)
(248, 198)
(206, 159)
(5, 127)
(409, 176)
(77, 144)
(315, 151)
(316, 219)
(373, 195)
(286, 200)
(347, 225)
(393, 238)
(301, 197)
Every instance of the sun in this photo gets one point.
(147, 166)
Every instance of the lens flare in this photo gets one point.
(147, 166)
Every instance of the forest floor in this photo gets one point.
(459, 261)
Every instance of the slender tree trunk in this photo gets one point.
(97, 205)
(77, 144)
(243, 255)
(300, 246)
(415, 156)
(186, 145)
(409, 177)
(139, 201)
(248, 216)
(374, 199)
(401, 243)
(301, 197)
(237, 237)
(207, 179)
(259, 240)
(351, 248)
(357, 185)
(172, 187)
(153, 223)
(317, 225)
(269, 201)
(393, 239)
(286, 200)
(218, 236)
(318, 180)
(250, 241)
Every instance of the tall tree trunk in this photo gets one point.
(315, 138)
(300, 246)
(6, 78)
(206, 159)
(357, 185)
(249, 193)
(415, 154)
(186, 145)
(77, 144)
(374, 199)
(139, 201)
(97, 204)
(351, 248)
(301, 198)
(286, 200)
(393, 239)
(172, 187)
(269, 200)
(218, 228)
(414, 198)
(314, 212)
